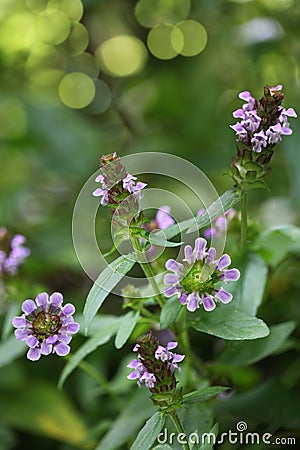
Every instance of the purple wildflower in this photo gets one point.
(198, 281)
(169, 362)
(14, 254)
(115, 181)
(220, 224)
(46, 326)
(259, 128)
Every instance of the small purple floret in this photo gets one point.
(46, 326)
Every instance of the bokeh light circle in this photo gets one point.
(72, 8)
(78, 39)
(122, 55)
(52, 27)
(150, 13)
(160, 44)
(194, 38)
(102, 99)
(76, 90)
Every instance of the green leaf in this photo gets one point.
(253, 285)
(169, 312)
(12, 310)
(162, 447)
(158, 237)
(210, 441)
(106, 281)
(10, 349)
(128, 322)
(218, 207)
(99, 338)
(245, 353)
(228, 323)
(276, 243)
(149, 432)
(39, 408)
(203, 394)
(137, 410)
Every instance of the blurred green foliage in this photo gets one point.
(180, 105)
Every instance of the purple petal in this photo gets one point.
(42, 299)
(193, 300)
(133, 376)
(46, 349)
(28, 306)
(188, 253)
(73, 328)
(178, 358)
(223, 262)
(171, 345)
(32, 341)
(230, 275)
(223, 296)
(56, 299)
(68, 309)
(174, 266)
(169, 292)
(21, 335)
(98, 192)
(66, 338)
(199, 250)
(134, 364)
(52, 339)
(163, 218)
(245, 95)
(211, 254)
(34, 354)
(19, 321)
(99, 179)
(171, 278)
(183, 298)
(208, 303)
(62, 349)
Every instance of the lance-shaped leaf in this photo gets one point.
(149, 432)
(106, 281)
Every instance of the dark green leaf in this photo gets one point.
(127, 324)
(203, 394)
(245, 353)
(227, 323)
(106, 281)
(169, 312)
(149, 432)
(209, 440)
(253, 285)
(99, 338)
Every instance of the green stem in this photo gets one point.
(244, 225)
(147, 269)
(149, 315)
(179, 428)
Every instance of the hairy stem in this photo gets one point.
(179, 428)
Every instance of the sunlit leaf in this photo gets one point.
(104, 284)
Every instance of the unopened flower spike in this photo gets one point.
(198, 281)
(155, 367)
(46, 325)
(261, 126)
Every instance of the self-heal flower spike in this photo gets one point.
(115, 181)
(197, 282)
(155, 366)
(46, 325)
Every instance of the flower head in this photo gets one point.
(155, 365)
(197, 282)
(12, 252)
(115, 181)
(45, 325)
(220, 224)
